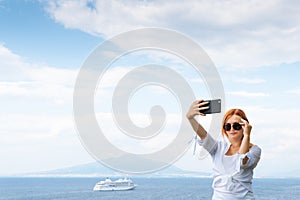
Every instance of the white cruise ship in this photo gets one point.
(109, 185)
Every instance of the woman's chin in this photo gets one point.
(234, 135)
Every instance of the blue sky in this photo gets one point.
(43, 45)
(29, 31)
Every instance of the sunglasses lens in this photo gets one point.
(227, 127)
(237, 126)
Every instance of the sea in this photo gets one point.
(148, 188)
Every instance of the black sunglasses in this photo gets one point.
(236, 126)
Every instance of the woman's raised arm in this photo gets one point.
(194, 110)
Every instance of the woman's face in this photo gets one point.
(232, 133)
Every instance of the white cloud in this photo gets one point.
(27, 90)
(249, 80)
(233, 36)
(23, 79)
(248, 94)
(9, 58)
(47, 127)
(32, 142)
(139, 146)
(294, 91)
(31, 128)
(35, 122)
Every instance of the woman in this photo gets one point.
(234, 158)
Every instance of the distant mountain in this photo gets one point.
(96, 169)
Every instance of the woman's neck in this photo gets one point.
(235, 143)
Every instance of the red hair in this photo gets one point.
(229, 114)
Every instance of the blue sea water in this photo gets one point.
(148, 188)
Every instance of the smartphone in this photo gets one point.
(214, 106)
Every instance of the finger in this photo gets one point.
(198, 101)
(203, 108)
(196, 108)
(244, 121)
(200, 104)
(203, 103)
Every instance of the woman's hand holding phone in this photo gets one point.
(196, 108)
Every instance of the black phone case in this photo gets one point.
(214, 106)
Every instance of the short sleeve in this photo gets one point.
(209, 143)
(253, 157)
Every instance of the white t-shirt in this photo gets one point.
(232, 179)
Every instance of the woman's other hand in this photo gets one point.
(247, 127)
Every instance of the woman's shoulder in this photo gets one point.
(255, 149)
(255, 146)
